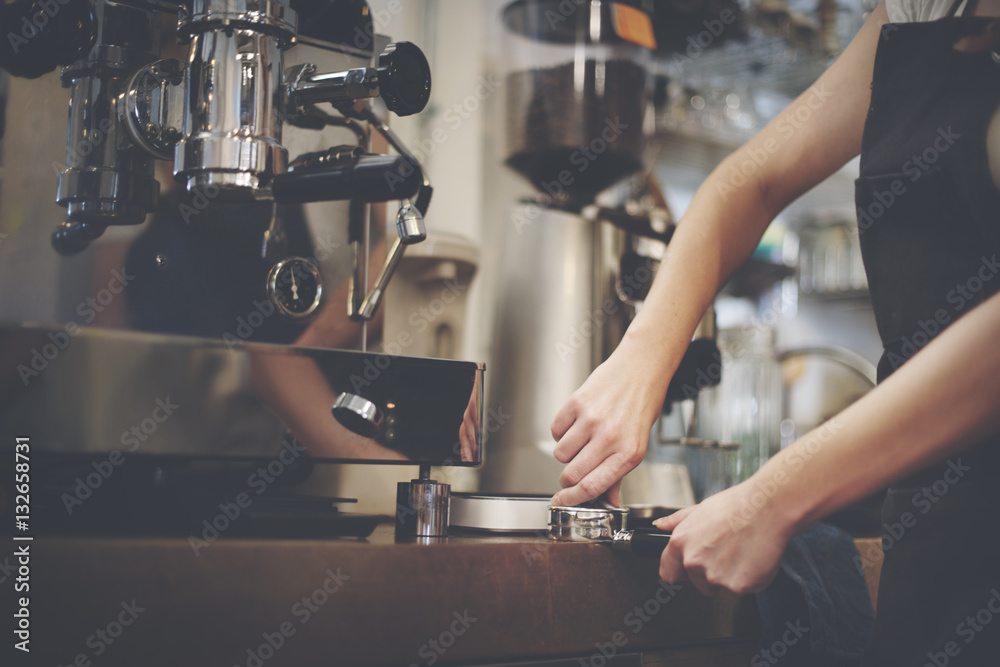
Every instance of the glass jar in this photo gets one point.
(744, 410)
(575, 94)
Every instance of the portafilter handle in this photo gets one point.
(648, 543)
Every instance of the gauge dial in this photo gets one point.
(295, 287)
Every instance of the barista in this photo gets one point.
(928, 129)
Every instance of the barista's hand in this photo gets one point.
(603, 429)
(718, 544)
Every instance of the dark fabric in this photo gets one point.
(929, 221)
(817, 611)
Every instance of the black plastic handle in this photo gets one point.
(372, 178)
(650, 543)
(635, 224)
(404, 78)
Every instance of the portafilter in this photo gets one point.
(604, 524)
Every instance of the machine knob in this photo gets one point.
(404, 78)
(357, 414)
(43, 37)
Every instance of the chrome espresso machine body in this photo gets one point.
(203, 302)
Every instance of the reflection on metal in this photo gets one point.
(358, 414)
(93, 391)
(152, 107)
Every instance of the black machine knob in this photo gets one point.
(41, 36)
(70, 238)
(404, 78)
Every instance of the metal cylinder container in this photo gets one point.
(422, 508)
(232, 119)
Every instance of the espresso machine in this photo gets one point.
(193, 264)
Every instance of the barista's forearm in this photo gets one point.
(709, 244)
(945, 399)
(812, 138)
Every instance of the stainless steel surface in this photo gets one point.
(410, 224)
(333, 87)
(422, 508)
(173, 396)
(152, 106)
(232, 127)
(36, 137)
(558, 315)
(606, 524)
(500, 514)
(373, 299)
(584, 524)
(273, 17)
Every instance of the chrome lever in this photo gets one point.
(410, 229)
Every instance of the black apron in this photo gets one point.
(929, 221)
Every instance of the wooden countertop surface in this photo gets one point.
(344, 601)
(368, 602)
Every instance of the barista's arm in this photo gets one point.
(940, 402)
(603, 429)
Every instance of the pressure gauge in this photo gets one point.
(295, 287)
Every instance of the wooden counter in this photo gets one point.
(529, 597)
(374, 602)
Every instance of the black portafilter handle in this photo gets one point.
(645, 543)
(369, 178)
(700, 368)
